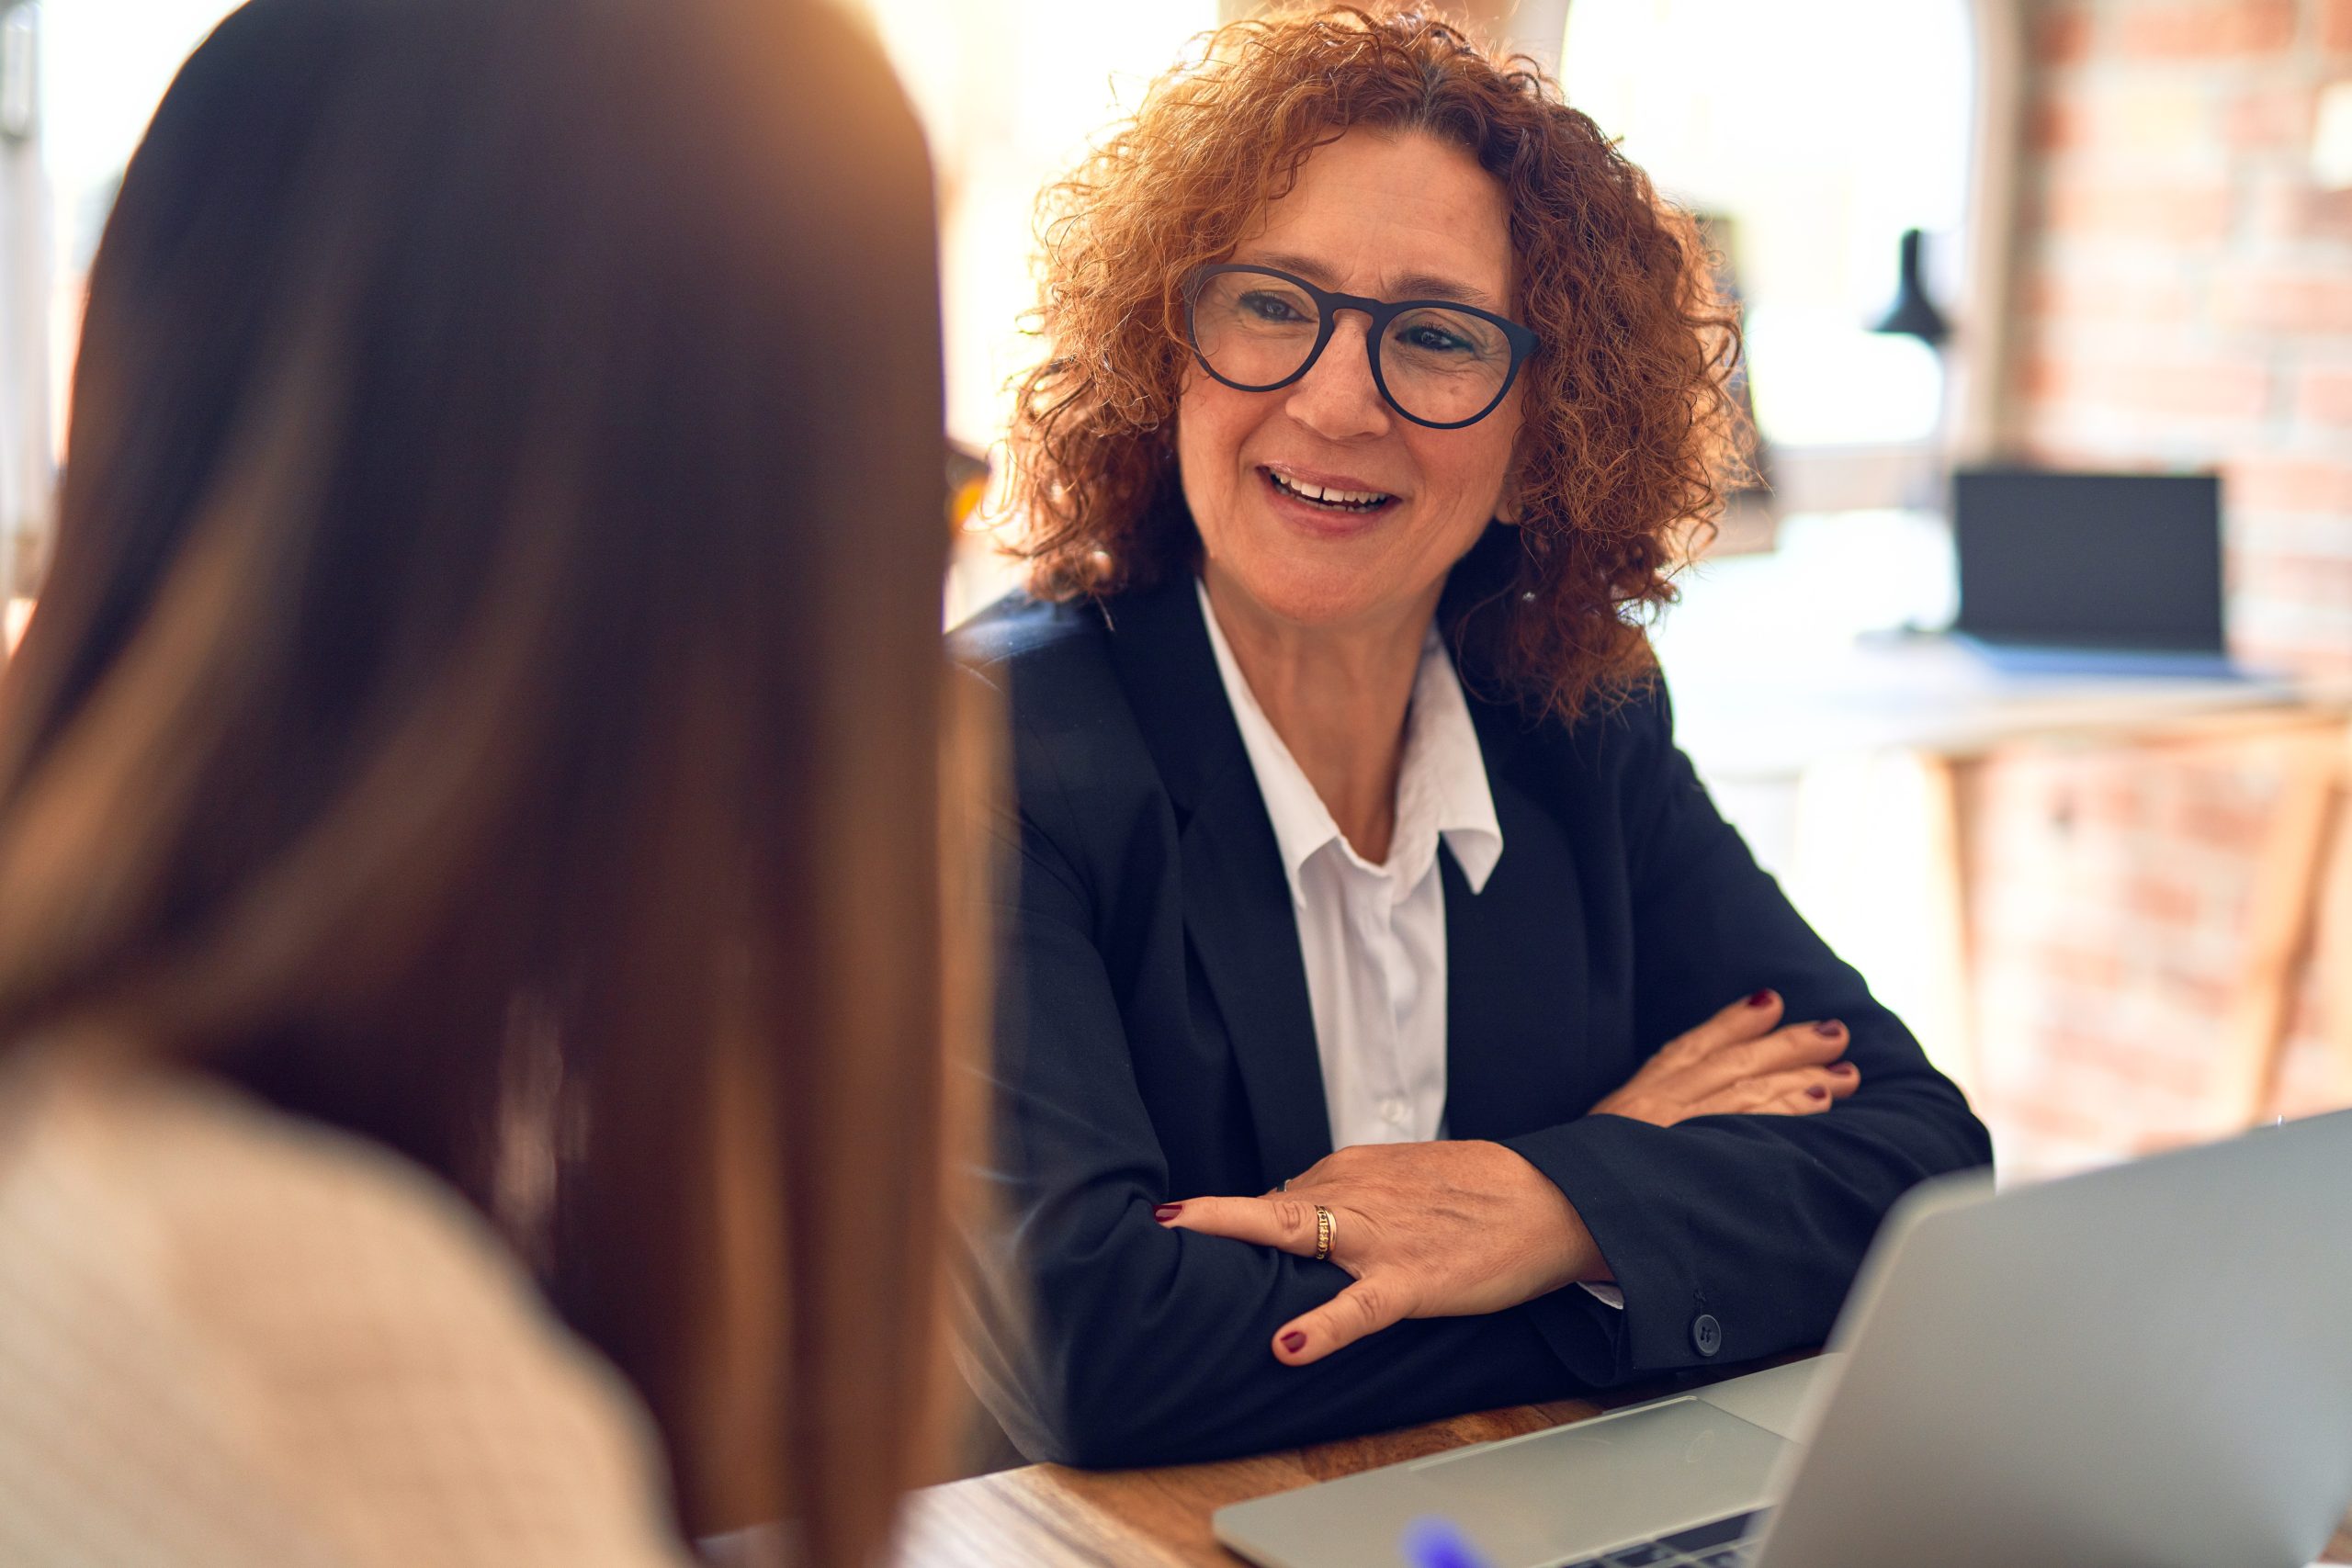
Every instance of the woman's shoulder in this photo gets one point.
(1019, 633)
(196, 1167)
(1061, 678)
(300, 1347)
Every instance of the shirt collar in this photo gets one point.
(1442, 788)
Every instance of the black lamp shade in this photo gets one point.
(1913, 312)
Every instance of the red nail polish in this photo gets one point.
(1814, 1091)
(1829, 1029)
(1843, 1069)
(1166, 1211)
(1294, 1341)
(1761, 1000)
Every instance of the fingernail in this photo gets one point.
(1761, 1000)
(1843, 1069)
(1166, 1211)
(1814, 1091)
(1295, 1341)
(1829, 1029)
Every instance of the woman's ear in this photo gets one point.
(1510, 510)
(1511, 506)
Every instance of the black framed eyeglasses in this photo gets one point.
(1438, 363)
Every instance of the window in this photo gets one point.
(92, 74)
(1821, 129)
(1010, 96)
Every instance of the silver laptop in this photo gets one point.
(2145, 1367)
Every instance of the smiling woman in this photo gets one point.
(1378, 974)
(1260, 469)
(1632, 437)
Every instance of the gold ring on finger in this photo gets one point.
(1323, 1229)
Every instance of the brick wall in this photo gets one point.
(2185, 290)
(2112, 927)
(2185, 299)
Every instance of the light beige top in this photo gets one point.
(231, 1337)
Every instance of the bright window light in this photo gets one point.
(1823, 128)
(1010, 94)
(104, 68)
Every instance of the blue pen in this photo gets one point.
(1434, 1542)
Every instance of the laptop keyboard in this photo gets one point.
(1720, 1543)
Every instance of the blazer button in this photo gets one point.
(1706, 1334)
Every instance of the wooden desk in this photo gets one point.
(1852, 772)
(1048, 1517)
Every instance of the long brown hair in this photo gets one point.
(488, 692)
(1628, 437)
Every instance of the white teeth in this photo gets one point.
(1325, 493)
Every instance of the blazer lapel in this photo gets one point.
(1237, 901)
(1238, 916)
(1518, 991)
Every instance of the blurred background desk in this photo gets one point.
(2112, 908)
(1048, 1517)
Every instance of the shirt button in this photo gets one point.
(1706, 1334)
(1392, 1111)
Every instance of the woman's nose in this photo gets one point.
(1338, 398)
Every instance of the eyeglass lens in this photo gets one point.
(1440, 366)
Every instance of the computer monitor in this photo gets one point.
(2126, 562)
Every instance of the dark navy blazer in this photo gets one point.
(1155, 1041)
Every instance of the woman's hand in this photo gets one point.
(1462, 1227)
(1429, 1230)
(1738, 1062)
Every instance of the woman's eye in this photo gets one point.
(1433, 340)
(1271, 308)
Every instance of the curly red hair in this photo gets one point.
(1629, 438)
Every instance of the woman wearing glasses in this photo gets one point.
(1349, 814)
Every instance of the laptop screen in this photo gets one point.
(2125, 561)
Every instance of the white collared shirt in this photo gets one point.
(1373, 937)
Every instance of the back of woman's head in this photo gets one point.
(485, 693)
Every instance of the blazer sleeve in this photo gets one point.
(1736, 1237)
(1102, 1339)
